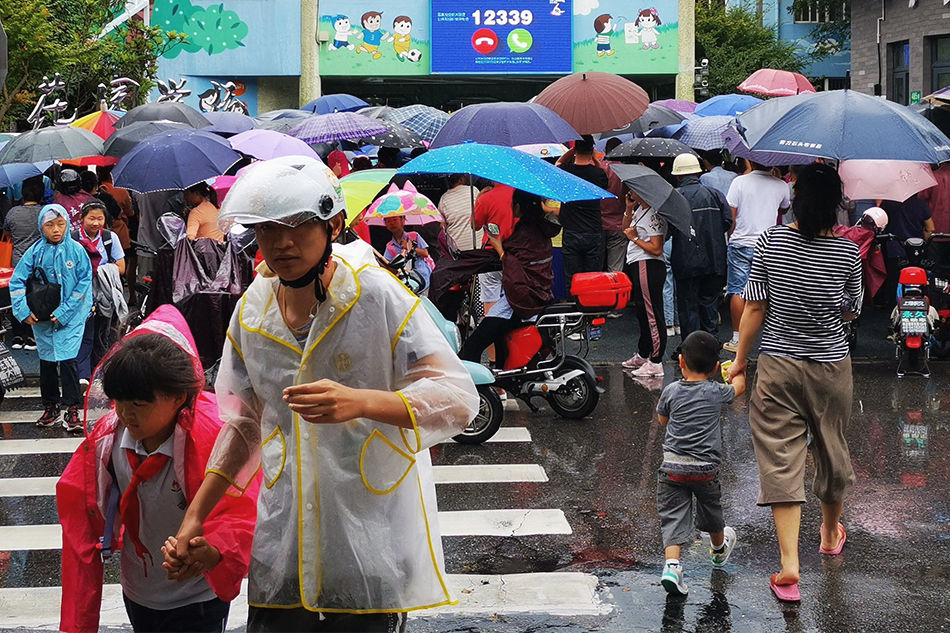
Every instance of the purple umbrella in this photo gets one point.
(175, 159)
(228, 123)
(678, 105)
(504, 123)
(733, 142)
(267, 144)
(339, 126)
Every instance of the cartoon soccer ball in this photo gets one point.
(414, 55)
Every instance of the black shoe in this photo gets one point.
(16, 343)
(71, 421)
(49, 417)
(30, 344)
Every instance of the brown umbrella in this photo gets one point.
(595, 102)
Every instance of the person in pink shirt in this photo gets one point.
(70, 195)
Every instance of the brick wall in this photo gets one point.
(916, 25)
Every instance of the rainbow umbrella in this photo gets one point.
(406, 203)
(360, 188)
(102, 124)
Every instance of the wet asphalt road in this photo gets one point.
(892, 575)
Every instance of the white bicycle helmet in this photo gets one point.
(877, 215)
(289, 190)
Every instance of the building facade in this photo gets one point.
(900, 48)
(832, 71)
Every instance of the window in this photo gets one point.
(818, 12)
(939, 63)
(899, 63)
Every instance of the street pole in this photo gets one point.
(309, 52)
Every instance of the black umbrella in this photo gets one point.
(125, 138)
(164, 111)
(658, 194)
(650, 148)
(398, 136)
(51, 143)
(655, 116)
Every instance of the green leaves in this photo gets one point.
(213, 29)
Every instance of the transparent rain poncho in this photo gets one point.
(347, 517)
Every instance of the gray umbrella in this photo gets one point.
(51, 143)
(650, 148)
(654, 117)
(398, 136)
(164, 111)
(375, 112)
(125, 138)
(658, 194)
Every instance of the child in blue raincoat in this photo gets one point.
(57, 340)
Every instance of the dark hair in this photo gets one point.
(601, 21)
(145, 365)
(360, 163)
(711, 156)
(92, 205)
(88, 181)
(756, 166)
(204, 189)
(417, 151)
(612, 143)
(529, 205)
(649, 13)
(817, 196)
(388, 157)
(34, 189)
(104, 172)
(402, 18)
(370, 14)
(700, 352)
(584, 146)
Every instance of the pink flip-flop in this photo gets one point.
(837, 550)
(785, 593)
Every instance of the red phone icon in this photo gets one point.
(484, 41)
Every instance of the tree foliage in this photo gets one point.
(736, 45)
(50, 36)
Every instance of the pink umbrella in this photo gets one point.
(884, 179)
(267, 144)
(222, 185)
(678, 105)
(776, 83)
(406, 202)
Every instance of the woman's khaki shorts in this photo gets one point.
(792, 397)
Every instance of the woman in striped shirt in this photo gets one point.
(805, 282)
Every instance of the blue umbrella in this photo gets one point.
(15, 173)
(704, 133)
(506, 166)
(175, 159)
(730, 105)
(507, 124)
(328, 104)
(842, 125)
(733, 143)
(424, 120)
(228, 123)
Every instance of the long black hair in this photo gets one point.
(529, 205)
(207, 191)
(817, 197)
(146, 365)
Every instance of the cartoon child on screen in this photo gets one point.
(603, 26)
(647, 21)
(372, 35)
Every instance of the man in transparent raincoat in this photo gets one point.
(336, 382)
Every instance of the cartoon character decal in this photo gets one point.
(401, 37)
(342, 32)
(372, 34)
(647, 21)
(604, 27)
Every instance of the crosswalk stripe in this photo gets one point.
(39, 446)
(505, 434)
(555, 593)
(451, 474)
(505, 522)
(23, 392)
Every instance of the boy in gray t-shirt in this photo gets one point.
(692, 451)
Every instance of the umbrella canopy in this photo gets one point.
(776, 83)
(505, 123)
(940, 97)
(884, 179)
(124, 139)
(704, 133)
(328, 104)
(375, 112)
(421, 119)
(733, 142)
(729, 105)
(175, 159)
(398, 136)
(281, 120)
(267, 144)
(339, 126)
(360, 188)
(654, 117)
(843, 125)
(595, 102)
(678, 105)
(51, 143)
(658, 194)
(650, 147)
(15, 173)
(543, 150)
(407, 203)
(102, 124)
(507, 166)
(164, 111)
(228, 123)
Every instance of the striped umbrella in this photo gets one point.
(338, 126)
(424, 120)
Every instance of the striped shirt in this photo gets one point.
(805, 283)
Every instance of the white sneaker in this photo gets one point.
(635, 362)
(719, 559)
(672, 579)
(649, 369)
(670, 330)
(731, 346)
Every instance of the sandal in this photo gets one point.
(837, 550)
(785, 593)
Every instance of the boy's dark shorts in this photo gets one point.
(675, 493)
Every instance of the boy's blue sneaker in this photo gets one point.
(672, 580)
(720, 558)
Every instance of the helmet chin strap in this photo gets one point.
(314, 275)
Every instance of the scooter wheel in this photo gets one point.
(491, 413)
(579, 397)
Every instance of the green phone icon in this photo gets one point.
(520, 41)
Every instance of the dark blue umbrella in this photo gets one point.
(842, 125)
(507, 124)
(726, 105)
(327, 104)
(175, 159)
(506, 166)
(228, 123)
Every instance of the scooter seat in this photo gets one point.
(560, 308)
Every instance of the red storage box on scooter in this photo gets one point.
(601, 291)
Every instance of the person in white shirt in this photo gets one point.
(456, 208)
(756, 199)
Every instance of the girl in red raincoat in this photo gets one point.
(140, 467)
